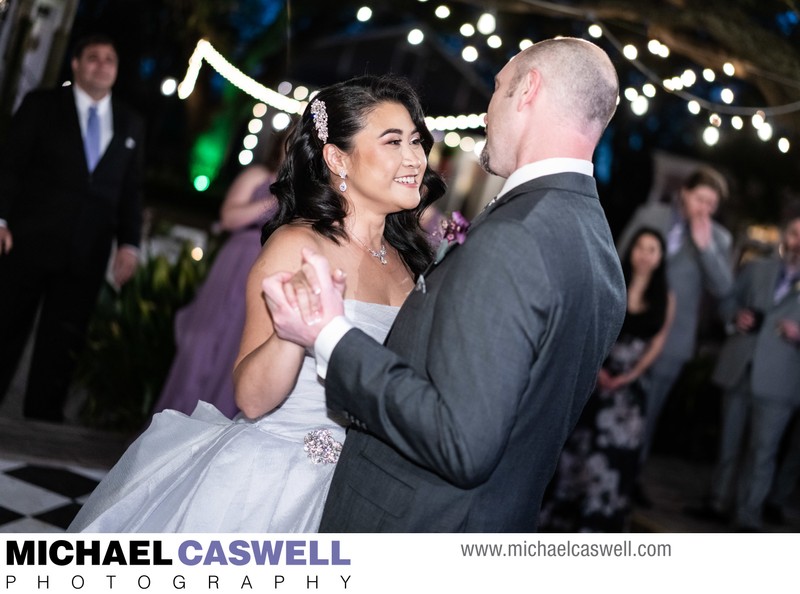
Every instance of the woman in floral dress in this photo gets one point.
(598, 467)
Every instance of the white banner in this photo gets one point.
(366, 563)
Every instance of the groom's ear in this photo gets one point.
(334, 158)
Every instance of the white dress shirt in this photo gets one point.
(83, 102)
(333, 331)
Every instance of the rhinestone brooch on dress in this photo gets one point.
(321, 447)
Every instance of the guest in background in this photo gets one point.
(70, 181)
(209, 329)
(786, 478)
(591, 489)
(698, 259)
(759, 371)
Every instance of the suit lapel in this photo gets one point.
(574, 182)
(72, 125)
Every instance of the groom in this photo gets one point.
(459, 420)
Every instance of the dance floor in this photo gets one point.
(42, 497)
(47, 471)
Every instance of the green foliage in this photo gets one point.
(131, 344)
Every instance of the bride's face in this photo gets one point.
(385, 167)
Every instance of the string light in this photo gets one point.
(169, 86)
(486, 24)
(675, 85)
(364, 14)
(205, 51)
(415, 37)
(469, 54)
(711, 135)
(442, 11)
(259, 110)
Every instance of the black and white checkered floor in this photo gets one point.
(37, 497)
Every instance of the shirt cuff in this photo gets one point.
(3, 223)
(131, 248)
(326, 341)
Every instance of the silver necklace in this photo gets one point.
(380, 254)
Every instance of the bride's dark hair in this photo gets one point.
(303, 186)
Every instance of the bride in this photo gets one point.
(353, 186)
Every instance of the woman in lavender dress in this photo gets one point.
(208, 330)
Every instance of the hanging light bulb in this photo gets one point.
(630, 52)
(711, 135)
(487, 23)
(442, 11)
(415, 37)
(765, 131)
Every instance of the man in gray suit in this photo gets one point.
(759, 370)
(460, 418)
(698, 260)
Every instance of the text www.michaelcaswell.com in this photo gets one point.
(567, 549)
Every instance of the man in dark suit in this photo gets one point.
(459, 420)
(70, 177)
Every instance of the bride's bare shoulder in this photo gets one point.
(284, 245)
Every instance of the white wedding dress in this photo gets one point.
(208, 473)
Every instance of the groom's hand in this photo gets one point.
(301, 304)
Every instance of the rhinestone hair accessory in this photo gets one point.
(320, 116)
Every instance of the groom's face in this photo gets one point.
(497, 155)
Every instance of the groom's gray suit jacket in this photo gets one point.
(459, 421)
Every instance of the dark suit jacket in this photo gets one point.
(485, 374)
(57, 211)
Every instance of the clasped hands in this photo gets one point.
(303, 302)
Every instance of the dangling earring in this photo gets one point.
(343, 185)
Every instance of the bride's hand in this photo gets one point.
(304, 290)
(301, 304)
